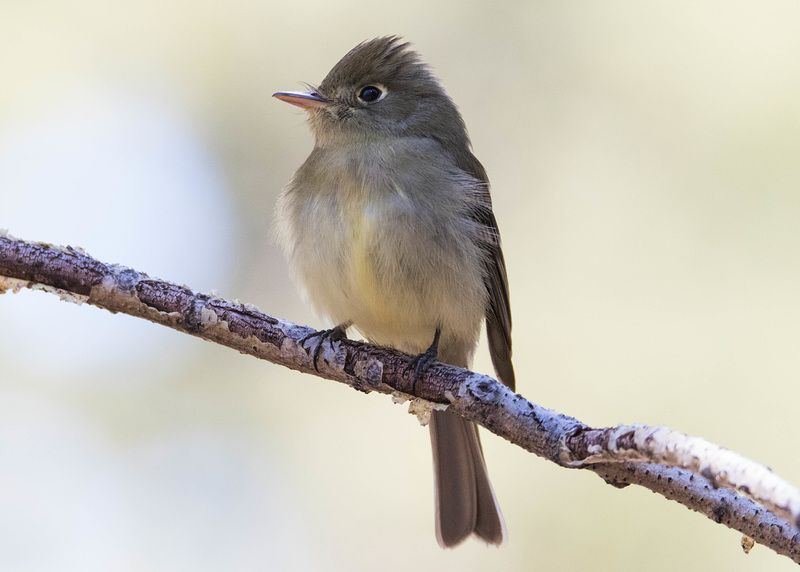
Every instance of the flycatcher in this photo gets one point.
(389, 227)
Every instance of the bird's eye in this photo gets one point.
(370, 94)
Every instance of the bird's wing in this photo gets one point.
(498, 312)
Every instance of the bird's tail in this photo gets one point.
(465, 501)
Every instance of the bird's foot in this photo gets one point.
(332, 335)
(423, 361)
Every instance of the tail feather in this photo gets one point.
(465, 501)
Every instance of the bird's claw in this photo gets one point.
(422, 362)
(332, 335)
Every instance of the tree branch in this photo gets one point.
(704, 477)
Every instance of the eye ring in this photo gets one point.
(371, 93)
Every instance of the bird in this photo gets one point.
(388, 227)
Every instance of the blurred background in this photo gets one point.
(645, 162)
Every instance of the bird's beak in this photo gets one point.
(306, 100)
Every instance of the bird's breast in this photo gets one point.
(371, 252)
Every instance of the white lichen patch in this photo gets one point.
(62, 294)
(107, 284)
(481, 387)
(236, 302)
(398, 397)
(722, 467)
(421, 408)
(12, 285)
(251, 307)
(209, 317)
(369, 370)
(109, 294)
